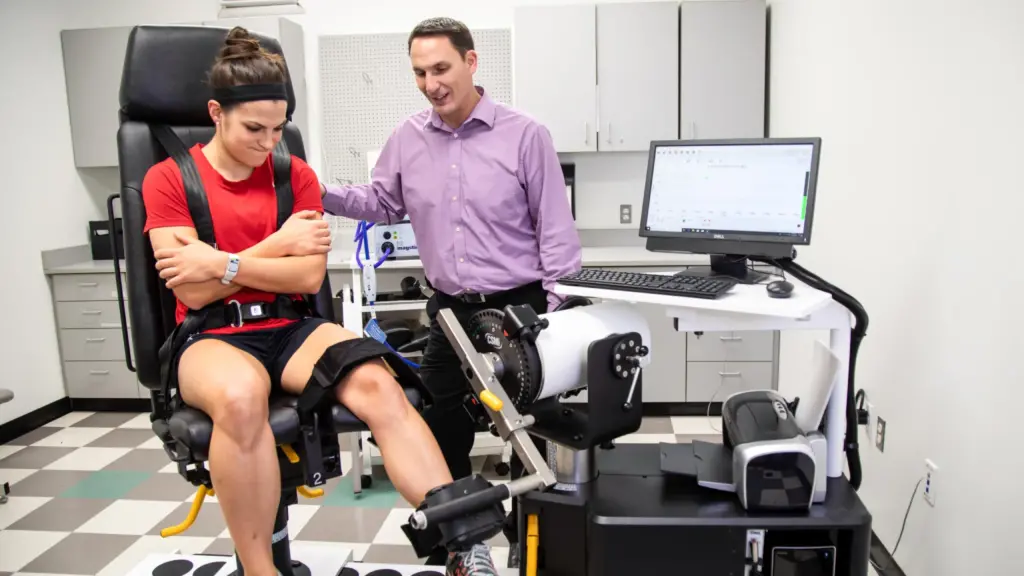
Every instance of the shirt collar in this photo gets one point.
(484, 111)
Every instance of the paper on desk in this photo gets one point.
(824, 369)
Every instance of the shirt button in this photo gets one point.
(453, 165)
(454, 198)
(461, 260)
(457, 229)
(455, 135)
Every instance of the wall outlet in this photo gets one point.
(880, 434)
(625, 213)
(930, 470)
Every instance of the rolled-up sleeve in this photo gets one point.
(557, 238)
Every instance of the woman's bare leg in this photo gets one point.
(412, 458)
(233, 389)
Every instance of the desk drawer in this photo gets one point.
(100, 380)
(705, 380)
(89, 315)
(92, 344)
(85, 287)
(746, 346)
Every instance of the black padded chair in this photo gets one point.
(163, 83)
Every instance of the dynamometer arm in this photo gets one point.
(483, 372)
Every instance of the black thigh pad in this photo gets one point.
(340, 359)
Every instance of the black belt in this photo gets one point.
(236, 314)
(500, 296)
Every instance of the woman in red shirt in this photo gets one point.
(228, 373)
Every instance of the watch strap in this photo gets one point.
(231, 270)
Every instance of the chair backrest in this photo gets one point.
(164, 83)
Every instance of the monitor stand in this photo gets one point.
(732, 265)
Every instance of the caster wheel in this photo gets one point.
(502, 469)
(365, 481)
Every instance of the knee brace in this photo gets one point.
(340, 359)
(318, 438)
(465, 530)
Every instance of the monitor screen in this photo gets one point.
(759, 190)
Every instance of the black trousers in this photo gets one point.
(442, 374)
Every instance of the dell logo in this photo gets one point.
(719, 236)
(780, 409)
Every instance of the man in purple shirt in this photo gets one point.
(484, 191)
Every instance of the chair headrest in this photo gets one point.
(166, 71)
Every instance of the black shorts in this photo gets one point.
(272, 347)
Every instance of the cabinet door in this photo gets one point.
(93, 62)
(555, 72)
(722, 68)
(637, 74)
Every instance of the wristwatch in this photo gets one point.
(232, 269)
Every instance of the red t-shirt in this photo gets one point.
(244, 213)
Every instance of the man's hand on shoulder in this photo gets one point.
(303, 234)
(193, 262)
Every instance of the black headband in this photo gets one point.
(249, 93)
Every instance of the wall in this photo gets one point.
(604, 181)
(919, 106)
(47, 201)
(55, 214)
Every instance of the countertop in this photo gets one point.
(614, 256)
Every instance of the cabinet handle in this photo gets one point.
(586, 132)
(88, 284)
(92, 312)
(609, 132)
(95, 339)
(99, 372)
(730, 374)
(730, 338)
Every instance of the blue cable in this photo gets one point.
(362, 242)
(363, 245)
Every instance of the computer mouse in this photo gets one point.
(780, 289)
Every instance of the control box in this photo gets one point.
(397, 240)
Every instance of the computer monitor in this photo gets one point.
(731, 199)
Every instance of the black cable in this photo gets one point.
(902, 528)
(851, 445)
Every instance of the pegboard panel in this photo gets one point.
(368, 88)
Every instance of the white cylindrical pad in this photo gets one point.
(564, 344)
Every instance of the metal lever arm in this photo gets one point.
(508, 421)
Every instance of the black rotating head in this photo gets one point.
(521, 369)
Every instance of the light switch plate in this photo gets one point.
(625, 213)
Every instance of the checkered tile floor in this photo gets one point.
(91, 492)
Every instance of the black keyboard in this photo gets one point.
(679, 285)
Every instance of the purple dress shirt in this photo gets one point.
(487, 201)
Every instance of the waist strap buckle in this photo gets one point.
(237, 321)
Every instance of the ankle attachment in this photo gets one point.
(463, 530)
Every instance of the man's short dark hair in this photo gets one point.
(456, 32)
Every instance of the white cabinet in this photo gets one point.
(554, 59)
(722, 68)
(601, 77)
(93, 63)
(637, 74)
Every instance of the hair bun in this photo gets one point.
(240, 44)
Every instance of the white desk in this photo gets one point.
(748, 307)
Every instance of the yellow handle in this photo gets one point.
(532, 541)
(290, 453)
(492, 401)
(311, 492)
(197, 503)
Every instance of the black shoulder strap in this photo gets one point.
(195, 194)
(283, 182)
